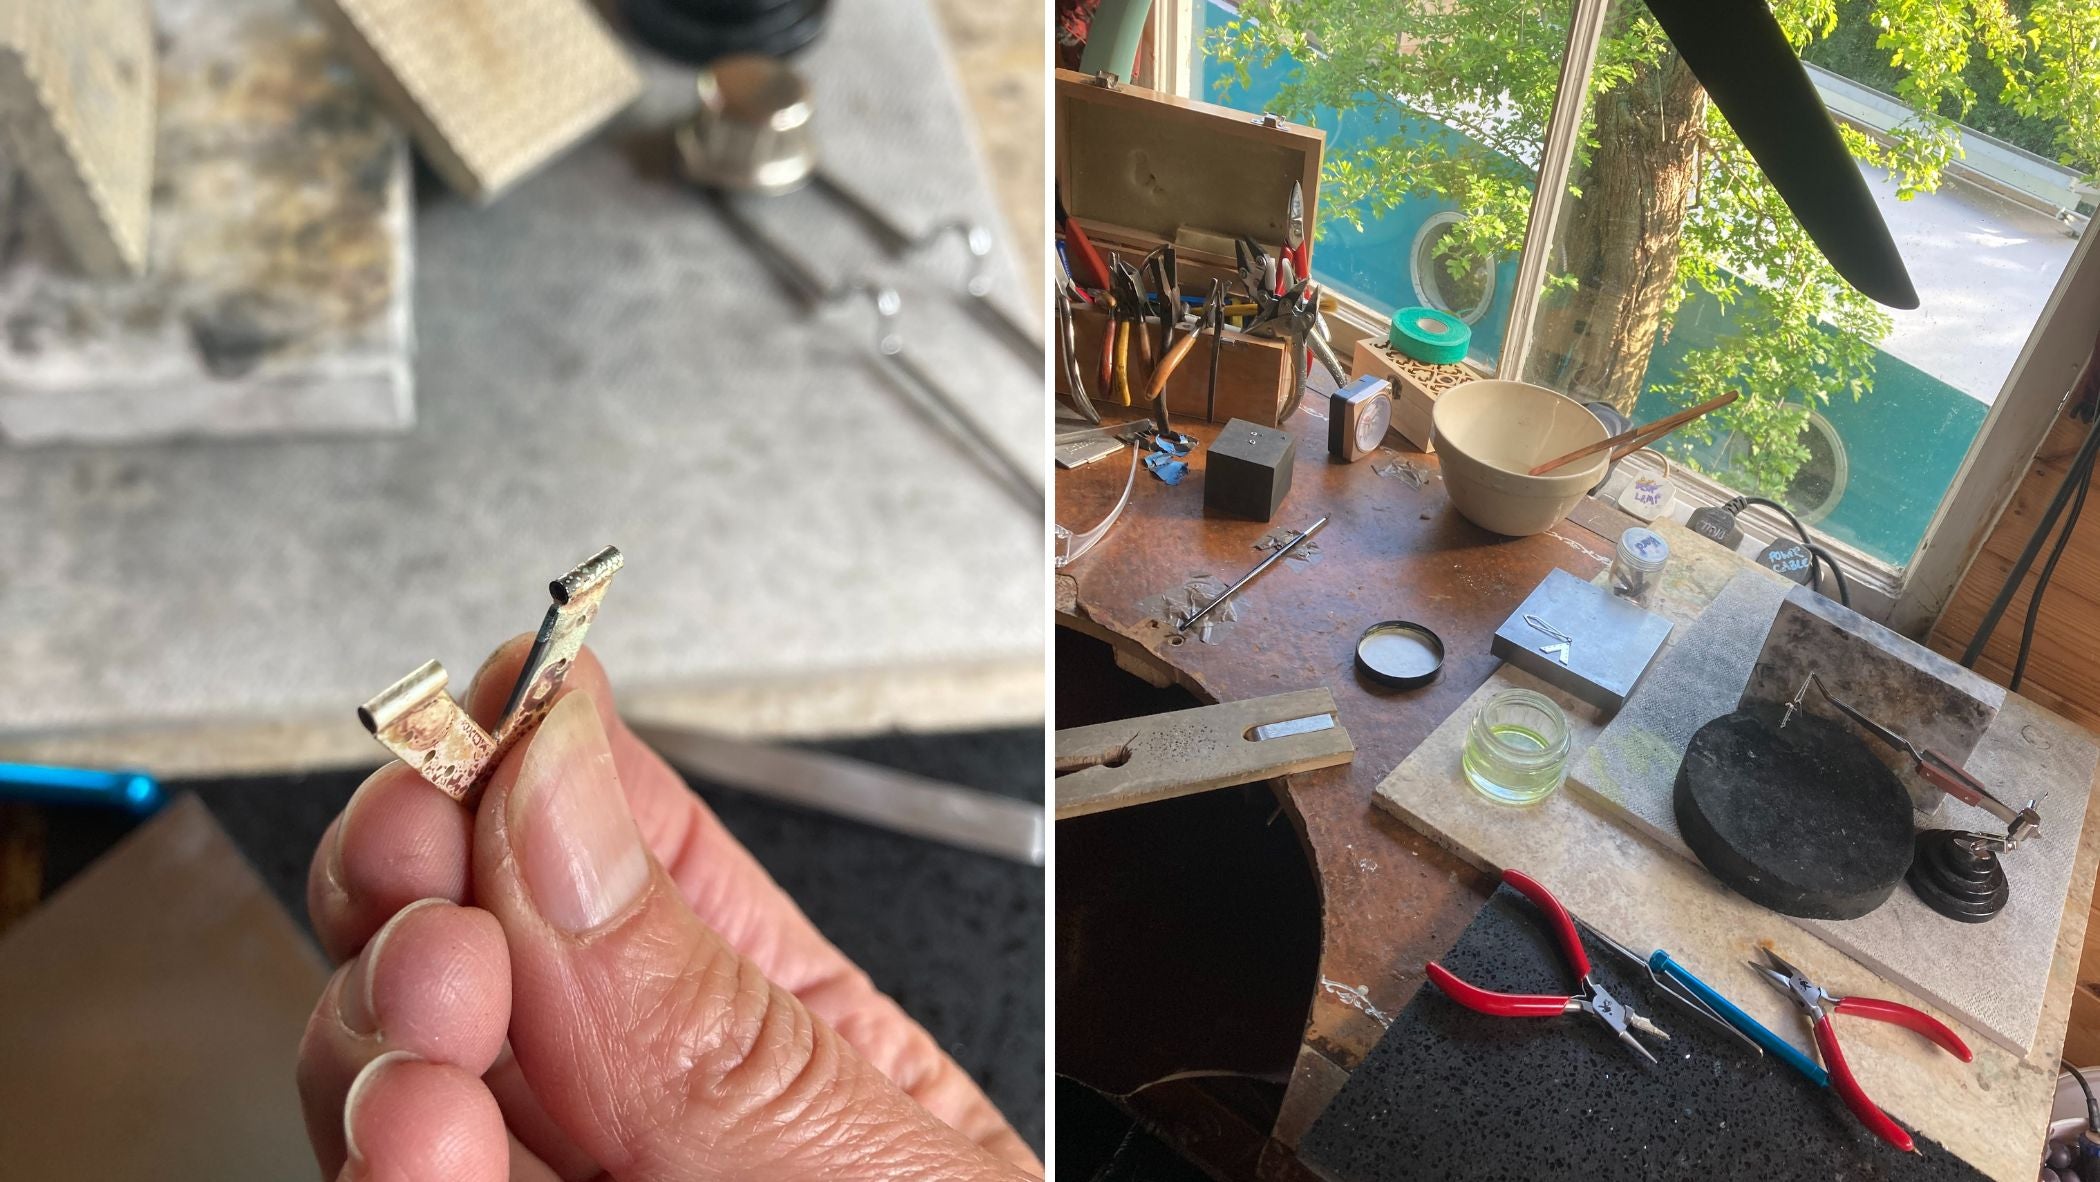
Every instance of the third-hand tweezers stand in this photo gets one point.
(751, 134)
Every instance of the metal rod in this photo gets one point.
(947, 813)
(897, 240)
(802, 279)
(1676, 989)
(939, 405)
(1251, 575)
(946, 409)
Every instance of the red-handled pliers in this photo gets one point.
(1821, 1005)
(1592, 999)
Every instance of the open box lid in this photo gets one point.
(1141, 166)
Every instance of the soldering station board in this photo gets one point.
(1992, 975)
(2005, 984)
(1490, 1098)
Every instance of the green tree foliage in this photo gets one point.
(1490, 69)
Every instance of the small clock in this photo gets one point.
(1357, 416)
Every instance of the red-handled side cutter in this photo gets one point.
(1821, 1005)
(1592, 998)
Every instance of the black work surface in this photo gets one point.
(955, 937)
(1448, 1093)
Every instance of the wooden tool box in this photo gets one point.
(1137, 168)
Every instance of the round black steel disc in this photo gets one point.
(1957, 880)
(1803, 820)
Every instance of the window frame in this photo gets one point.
(1909, 598)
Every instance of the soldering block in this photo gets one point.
(1888, 677)
(1248, 470)
(77, 97)
(1612, 643)
(489, 89)
(276, 296)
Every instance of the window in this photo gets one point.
(1435, 127)
(1675, 273)
(1666, 270)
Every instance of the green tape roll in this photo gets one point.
(1426, 334)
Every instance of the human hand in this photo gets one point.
(670, 1012)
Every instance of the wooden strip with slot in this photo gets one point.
(1114, 765)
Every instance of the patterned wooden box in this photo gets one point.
(1416, 385)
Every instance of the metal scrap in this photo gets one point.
(1200, 591)
(1415, 475)
(430, 731)
(1306, 553)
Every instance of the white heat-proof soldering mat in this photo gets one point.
(600, 360)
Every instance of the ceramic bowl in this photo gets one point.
(1490, 434)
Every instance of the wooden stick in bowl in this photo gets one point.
(1639, 437)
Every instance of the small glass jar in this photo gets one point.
(1637, 567)
(1517, 748)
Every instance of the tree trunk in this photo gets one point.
(1620, 239)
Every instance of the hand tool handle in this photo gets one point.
(1753, 1029)
(1165, 369)
(1955, 781)
(1556, 916)
(1076, 240)
(1898, 1014)
(1487, 1001)
(1123, 330)
(134, 792)
(1108, 354)
(1645, 434)
(1855, 1097)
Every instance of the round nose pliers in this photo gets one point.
(1820, 1005)
(1591, 998)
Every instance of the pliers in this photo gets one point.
(1128, 302)
(1166, 273)
(1068, 348)
(1820, 1006)
(1294, 251)
(1076, 242)
(1592, 998)
(1294, 316)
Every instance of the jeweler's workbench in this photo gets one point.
(599, 356)
(1391, 897)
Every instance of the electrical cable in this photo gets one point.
(1844, 591)
(2041, 581)
(2092, 1109)
(2082, 388)
(1816, 557)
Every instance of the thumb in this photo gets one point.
(657, 1048)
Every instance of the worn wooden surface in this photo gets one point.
(1391, 899)
(1132, 761)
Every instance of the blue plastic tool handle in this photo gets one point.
(1751, 1027)
(134, 792)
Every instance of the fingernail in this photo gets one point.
(575, 839)
(358, 1087)
(355, 1004)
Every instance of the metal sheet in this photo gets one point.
(947, 813)
(1610, 641)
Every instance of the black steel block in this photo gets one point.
(1248, 472)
